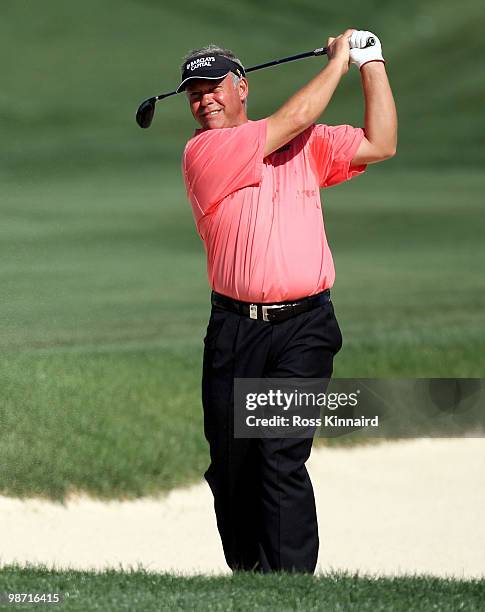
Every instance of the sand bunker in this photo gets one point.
(390, 509)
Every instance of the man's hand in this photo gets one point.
(359, 53)
(338, 50)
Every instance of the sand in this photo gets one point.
(389, 509)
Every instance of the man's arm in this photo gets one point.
(307, 104)
(380, 123)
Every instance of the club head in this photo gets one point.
(145, 112)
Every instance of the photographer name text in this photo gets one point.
(298, 421)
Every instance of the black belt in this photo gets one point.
(279, 311)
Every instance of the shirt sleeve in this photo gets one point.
(218, 162)
(333, 148)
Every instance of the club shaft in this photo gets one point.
(287, 59)
(290, 58)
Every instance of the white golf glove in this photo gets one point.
(359, 53)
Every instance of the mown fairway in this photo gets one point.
(104, 291)
(141, 591)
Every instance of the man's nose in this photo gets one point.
(206, 99)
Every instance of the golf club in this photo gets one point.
(146, 110)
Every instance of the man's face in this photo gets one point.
(217, 104)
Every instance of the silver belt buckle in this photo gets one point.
(265, 311)
(274, 307)
(253, 311)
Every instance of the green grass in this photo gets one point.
(140, 590)
(106, 302)
(113, 423)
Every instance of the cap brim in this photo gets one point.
(217, 74)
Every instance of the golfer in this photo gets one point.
(254, 191)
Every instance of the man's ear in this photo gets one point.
(243, 88)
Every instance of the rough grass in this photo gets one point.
(140, 590)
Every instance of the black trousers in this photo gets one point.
(263, 496)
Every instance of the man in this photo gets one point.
(254, 190)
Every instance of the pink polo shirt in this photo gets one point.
(260, 218)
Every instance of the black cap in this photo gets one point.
(209, 66)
